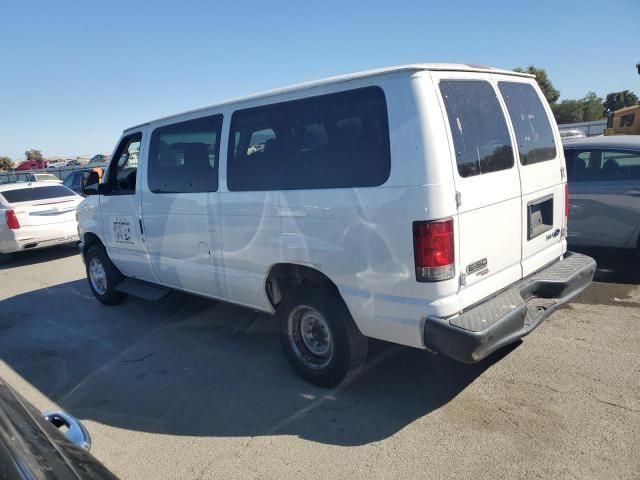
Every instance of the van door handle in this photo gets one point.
(141, 229)
(633, 193)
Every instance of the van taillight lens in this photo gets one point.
(12, 220)
(433, 250)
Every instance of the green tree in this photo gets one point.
(550, 93)
(617, 100)
(33, 154)
(591, 107)
(568, 111)
(6, 163)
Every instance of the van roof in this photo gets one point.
(454, 67)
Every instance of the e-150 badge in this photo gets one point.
(475, 266)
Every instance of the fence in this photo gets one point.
(590, 129)
(25, 175)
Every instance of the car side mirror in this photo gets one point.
(91, 186)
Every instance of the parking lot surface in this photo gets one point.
(190, 388)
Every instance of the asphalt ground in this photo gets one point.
(190, 388)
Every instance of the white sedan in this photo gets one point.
(44, 177)
(36, 215)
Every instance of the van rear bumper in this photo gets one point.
(511, 314)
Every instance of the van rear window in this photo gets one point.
(530, 122)
(330, 141)
(33, 194)
(478, 127)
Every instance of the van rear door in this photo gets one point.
(487, 182)
(540, 159)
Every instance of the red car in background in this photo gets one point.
(32, 165)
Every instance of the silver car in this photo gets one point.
(604, 191)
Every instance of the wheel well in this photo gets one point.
(89, 240)
(287, 275)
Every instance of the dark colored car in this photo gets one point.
(604, 191)
(77, 179)
(31, 446)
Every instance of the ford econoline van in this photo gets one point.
(424, 205)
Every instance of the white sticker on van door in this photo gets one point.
(123, 230)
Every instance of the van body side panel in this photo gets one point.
(361, 238)
(181, 231)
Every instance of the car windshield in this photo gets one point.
(32, 194)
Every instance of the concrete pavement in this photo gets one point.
(188, 388)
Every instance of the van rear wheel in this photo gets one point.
(103, 276)
(319, 337)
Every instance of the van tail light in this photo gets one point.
(12, 220)
(433, 250)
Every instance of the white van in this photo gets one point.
(424, 205)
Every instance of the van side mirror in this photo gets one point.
(91, 186)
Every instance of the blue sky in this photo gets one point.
(73, 75)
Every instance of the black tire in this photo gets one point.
(110, 296)
(349, 346)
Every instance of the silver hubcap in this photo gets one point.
(98, 276)
(310, 337)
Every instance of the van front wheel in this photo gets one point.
(103, 276)
(319, 337)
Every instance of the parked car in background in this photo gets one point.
(77, 179)
(98, 161)
(422, 205)
(33, 445)
(36, 215)
(604, 191)
(43, 177)
(56, 163)
(573, 133)
(33, 165)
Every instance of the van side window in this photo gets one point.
(478, 127)
(330, 141)
(183, 157)
(530, 122)
(124, 166)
